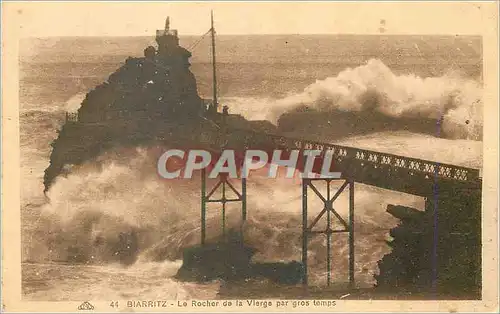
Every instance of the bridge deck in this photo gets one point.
(389, 171)
(399, 173)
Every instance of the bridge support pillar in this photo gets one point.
(207, 197)
(328, 210)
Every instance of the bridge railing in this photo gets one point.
(71, 117)
(361, 156)
(342, 154)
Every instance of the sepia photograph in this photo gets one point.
(269, 156)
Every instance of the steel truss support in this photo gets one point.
(206, 198)
(328, 209)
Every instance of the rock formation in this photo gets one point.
(145, 101)
(454, 247)
(131, 106)
(230, 260)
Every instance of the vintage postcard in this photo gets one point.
(249, 156)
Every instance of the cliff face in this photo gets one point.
(131, 107)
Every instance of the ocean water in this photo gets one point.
(260, 77)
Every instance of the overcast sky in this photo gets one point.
(192, 18)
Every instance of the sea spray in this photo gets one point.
(116, 210)
(47, 89)
(374, 87)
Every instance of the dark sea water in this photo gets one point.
(260, 77)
